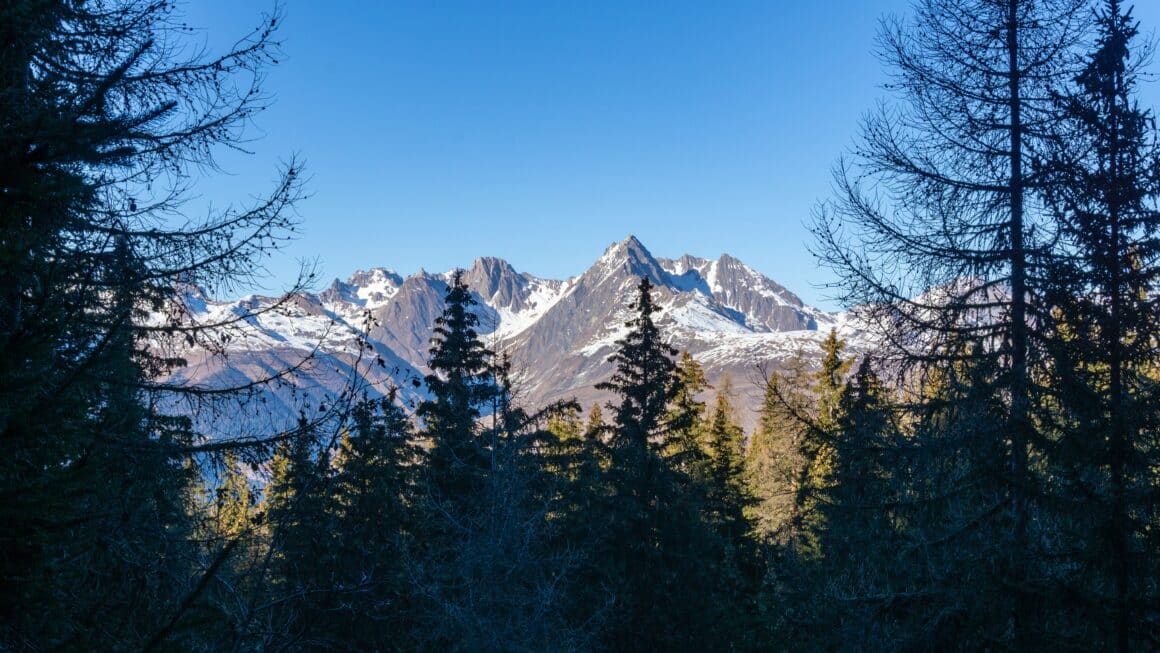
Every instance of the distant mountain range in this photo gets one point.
(559, 333)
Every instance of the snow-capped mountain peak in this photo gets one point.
(559, 332)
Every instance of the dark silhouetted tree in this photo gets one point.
(1103, 348)
(938, 233)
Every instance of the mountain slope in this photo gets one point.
(559, 333)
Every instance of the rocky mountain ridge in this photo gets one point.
(559, 333)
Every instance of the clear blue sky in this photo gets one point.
(539, 131)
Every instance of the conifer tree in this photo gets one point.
(774, 462)
(687, 449)
(729, 497)
(938, 231)
(817, 445)
(461, 384)
(371, 508)
(643, 380)
(860, 542)
(234, 500)
(595, 423)
(301, 541)
(655, 552)
(486, 576)
(1104, 298)
(105, 111)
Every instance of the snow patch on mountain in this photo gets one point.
(695, 315)
(541, 298)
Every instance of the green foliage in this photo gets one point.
(774, 460)
(662, 563)
(997, 491)
(686, 448)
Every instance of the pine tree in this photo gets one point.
(301, 540)
(461, 384)
(655, 553)
(1103, 297)
(372, 511)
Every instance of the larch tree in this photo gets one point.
(937, 230)
(107, 116)
(774, 463)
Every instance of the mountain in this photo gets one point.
(559, 334)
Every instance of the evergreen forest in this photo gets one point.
(987, 479)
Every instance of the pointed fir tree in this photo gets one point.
(940, 591)
(728, 498)
(860, 543)
(372, 511)
(655, 553)
(643, 380)
(234, 500)
(817, 445)
(1104, 298)
(687, 448)
(301, 540)
(594, 426)
(461, 384)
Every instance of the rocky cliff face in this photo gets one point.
(559, 333)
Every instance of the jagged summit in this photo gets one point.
(628, 257)
(497, 282)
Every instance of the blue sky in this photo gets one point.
(437, 132)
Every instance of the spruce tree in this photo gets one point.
(461, 384)
(655, 552)
(301, 540)
(817, 446)
(729, 497)
(487, 577)
(860, 542)
(371, 508)
(1104, 347)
